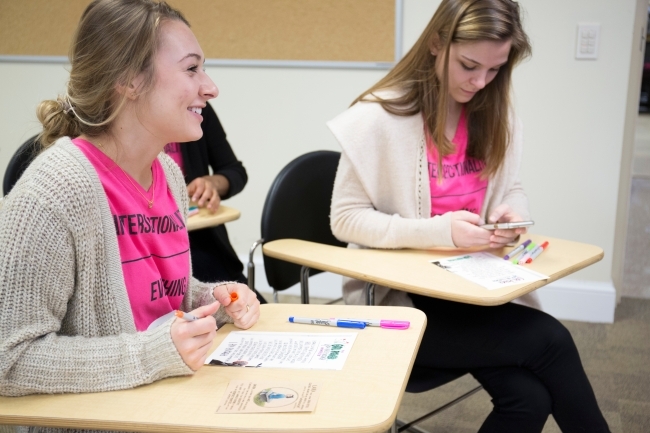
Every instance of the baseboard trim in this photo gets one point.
(566, 299)
(580, 300)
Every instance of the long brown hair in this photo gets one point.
(424, 92)
(115, 41)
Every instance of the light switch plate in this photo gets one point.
(588, 41)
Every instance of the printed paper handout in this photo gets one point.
(248, 397)
(488, 270)
(322, 351)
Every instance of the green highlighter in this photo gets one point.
(524, 256)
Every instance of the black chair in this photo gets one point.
(298, 207)
(18, 163)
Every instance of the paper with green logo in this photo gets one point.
(298, 350)
(488, 270)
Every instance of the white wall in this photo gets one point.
(572, 110)
(272, 116)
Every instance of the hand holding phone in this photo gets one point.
(509, 225)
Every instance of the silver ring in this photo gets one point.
(247, 308)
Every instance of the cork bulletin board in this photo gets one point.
(302, 30)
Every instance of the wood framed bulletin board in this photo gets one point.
(302, 33)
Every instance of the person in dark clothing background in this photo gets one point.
(212, 173)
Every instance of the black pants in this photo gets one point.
(525, 359)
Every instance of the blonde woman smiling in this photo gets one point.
(91, 279)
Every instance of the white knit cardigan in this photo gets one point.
(381, 195)
(65, 318)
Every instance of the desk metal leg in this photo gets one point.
(370, 294)
(251, 263)
(411, 425)
(413, 429)
(304, 285)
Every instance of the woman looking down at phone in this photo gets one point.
(430, 153)
(105, 252)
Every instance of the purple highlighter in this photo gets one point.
(516, 251)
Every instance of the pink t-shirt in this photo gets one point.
(461, 187)
(174, 151)
(153, 243)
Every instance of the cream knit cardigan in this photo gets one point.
(381, 195)
(65, 317)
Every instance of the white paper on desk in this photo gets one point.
(301, 350)
(488, 270)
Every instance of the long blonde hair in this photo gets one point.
(115, 41)
(457, 21)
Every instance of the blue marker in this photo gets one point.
(328, 322)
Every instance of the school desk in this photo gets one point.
(205, 219)
(411, 271)
(362, 397)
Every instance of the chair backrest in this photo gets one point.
(298, 207)
(18, 163)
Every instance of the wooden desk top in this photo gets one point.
(410, 270)
(206, 219)
(363, 397)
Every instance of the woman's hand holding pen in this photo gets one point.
(465, 230)
(193, 339)
(502, 237)
(240, 303)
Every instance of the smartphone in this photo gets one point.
(507, 225)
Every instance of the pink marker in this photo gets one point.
(536, 252)
(387, 324)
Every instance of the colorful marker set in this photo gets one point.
(529, 252)
(536, 252)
